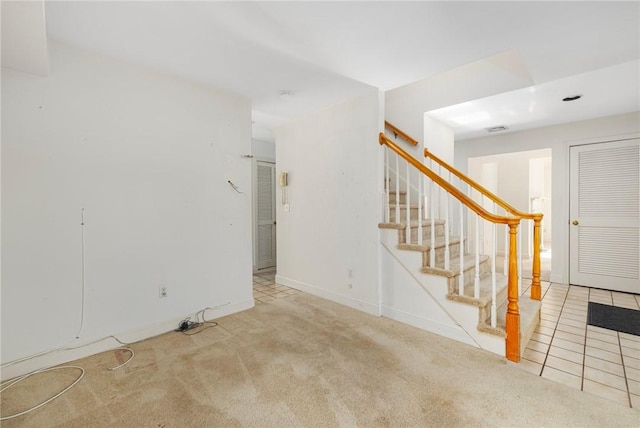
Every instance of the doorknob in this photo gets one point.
(575, 222)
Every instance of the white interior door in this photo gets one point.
(604, 208)
(265, 216)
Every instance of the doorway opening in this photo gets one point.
(523, 180)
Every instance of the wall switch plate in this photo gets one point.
(162, 291)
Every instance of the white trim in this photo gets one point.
(361, 305)
(455, 333)
(379, 279)
(93, 347)
(406, 260)
(462, 315)
(605, 139)
(557, 278)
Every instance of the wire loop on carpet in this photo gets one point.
(133, 354)
(21, 378)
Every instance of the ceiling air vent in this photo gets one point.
(497, 128)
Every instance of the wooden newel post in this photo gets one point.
(536, 292)
(513, 313)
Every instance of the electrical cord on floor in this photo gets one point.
(23, 377)
(12, 382)
(72, 349)
(183, 326)
(186, 325)
(64, 348)
(133, 354)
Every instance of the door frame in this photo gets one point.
(254, 204)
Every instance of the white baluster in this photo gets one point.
(461, 276)
(494, 241)
(408, 205)
(476, 279)
(397, 219)
(446, 231)
(520, 261)
(420, 199)
(387, 179)
(469, 193)
(432, 250)
(506, 251)
(424, 190)
(481, 231)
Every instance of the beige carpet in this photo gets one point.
(301, 361)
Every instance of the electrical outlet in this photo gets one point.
(162, 291)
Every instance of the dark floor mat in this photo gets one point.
(614, 318)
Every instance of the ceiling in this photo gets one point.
(326, 52)
(605, 92)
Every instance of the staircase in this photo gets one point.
(446, 263)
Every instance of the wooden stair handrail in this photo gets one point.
(512, 318)
(536, 289)
(481, 189)
(398, 132)
(473, 205)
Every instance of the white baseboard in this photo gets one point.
(452, 332)
(85, 348)
(557, 278)
(361, 305)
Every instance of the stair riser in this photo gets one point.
(526, 331)
(403, 214)
(454, 250)
(426, 233)
(484, 314)
(469, 275)
(392, 198)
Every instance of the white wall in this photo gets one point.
(263, 150)
(147, 156)
(558, 139)
(24, 36)
(438, 138)
(335, 193)
(405, 106)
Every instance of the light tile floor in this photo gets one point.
(265, 288)
(592, 359)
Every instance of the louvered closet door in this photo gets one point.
(604, 233)
(265, 212)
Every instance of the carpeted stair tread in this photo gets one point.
(439, 242)
(454, 266)
(529, 310)
(403, 206)
(485, 291)
(412, 223)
